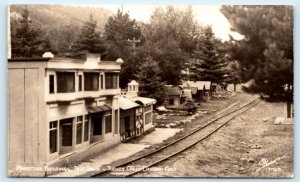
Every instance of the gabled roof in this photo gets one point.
(197, 84)
(172, 90)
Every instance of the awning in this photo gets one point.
(125, 103)
(95, 109)
(144, 100)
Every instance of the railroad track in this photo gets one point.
(146, 162)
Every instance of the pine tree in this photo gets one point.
(150, 81)
(118, 30)
(89, 40)
(209, 63)
(28, 41)
(265, 55)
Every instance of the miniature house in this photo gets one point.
(174, 97)
(200, 89)
(61, 110)
(136, 113)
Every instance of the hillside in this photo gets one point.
(60, 22)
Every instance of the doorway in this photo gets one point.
(96, 129)
(127, 126)
(66, 135)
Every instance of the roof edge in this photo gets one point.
(27, 59)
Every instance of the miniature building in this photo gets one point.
(136, 113)
(61, 110)
(234, 88)
(129, 111)
(200, 89)
(174, 97)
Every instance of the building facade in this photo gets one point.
(136, 113)
(174, 97)
(60, 111)
(199, 89)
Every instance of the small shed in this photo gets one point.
(174, 97)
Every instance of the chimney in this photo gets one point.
(90, 57)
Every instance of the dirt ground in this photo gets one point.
(249, 146)
(207, 108)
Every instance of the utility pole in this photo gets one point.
(133, 42)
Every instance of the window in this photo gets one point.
(147, 108)
(171, 101)
(101, 81)
(79, 130)
(91, 81)
(51, 84)
(80, 83)
(86, 128)
(108, 125)
(65, 82)
(116, 121)
(111, 80)
(148, 118)
(67, 132)
(53, 136)
(182, 100)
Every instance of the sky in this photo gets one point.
(204, 14)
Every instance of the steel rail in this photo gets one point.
(191, 145)
(180, 139)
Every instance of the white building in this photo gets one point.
(60, 111)
(136, 113)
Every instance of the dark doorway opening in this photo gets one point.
(96, 130)
(66, 135)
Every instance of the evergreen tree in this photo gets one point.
(232, 77)
(119, 30)
(209, 63)
(89, 40)
(172, 34)
(27, 41)
(150, 81)
(265, 55)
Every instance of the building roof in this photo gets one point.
(25, 59)
(197, 84)
(92, 62)
(144, 100)
(171, 90)
(125, 103)
(133, 82)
